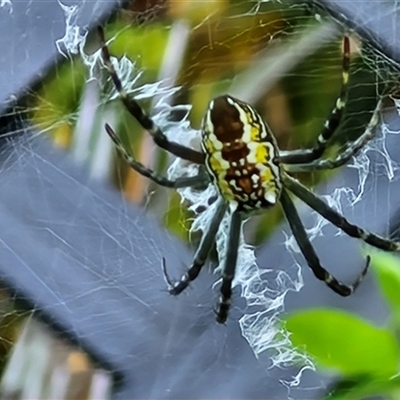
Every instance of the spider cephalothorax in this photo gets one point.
(241, 154)
(241, 158)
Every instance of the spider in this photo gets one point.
(240, 156)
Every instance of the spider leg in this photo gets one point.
(308, 251)
(350, 151)
(205, 246)
(200, 180)
(144, 120)
(317, 204)
(331, 124)
(228, 272)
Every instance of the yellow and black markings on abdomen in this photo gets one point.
(240, 154)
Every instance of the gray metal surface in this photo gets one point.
(28, 34)
(376, 21)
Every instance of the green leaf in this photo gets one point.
(344, 342)
(387, 269)
(362, 387)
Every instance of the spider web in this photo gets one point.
(264, 282)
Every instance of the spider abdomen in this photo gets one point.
(241, 154)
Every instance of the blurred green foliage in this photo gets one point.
(365, 356)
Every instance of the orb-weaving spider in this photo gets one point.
(241, 158)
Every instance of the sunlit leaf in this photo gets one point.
(387, 269)
(363, 387)
(344, 342)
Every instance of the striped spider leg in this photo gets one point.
(331, 124)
